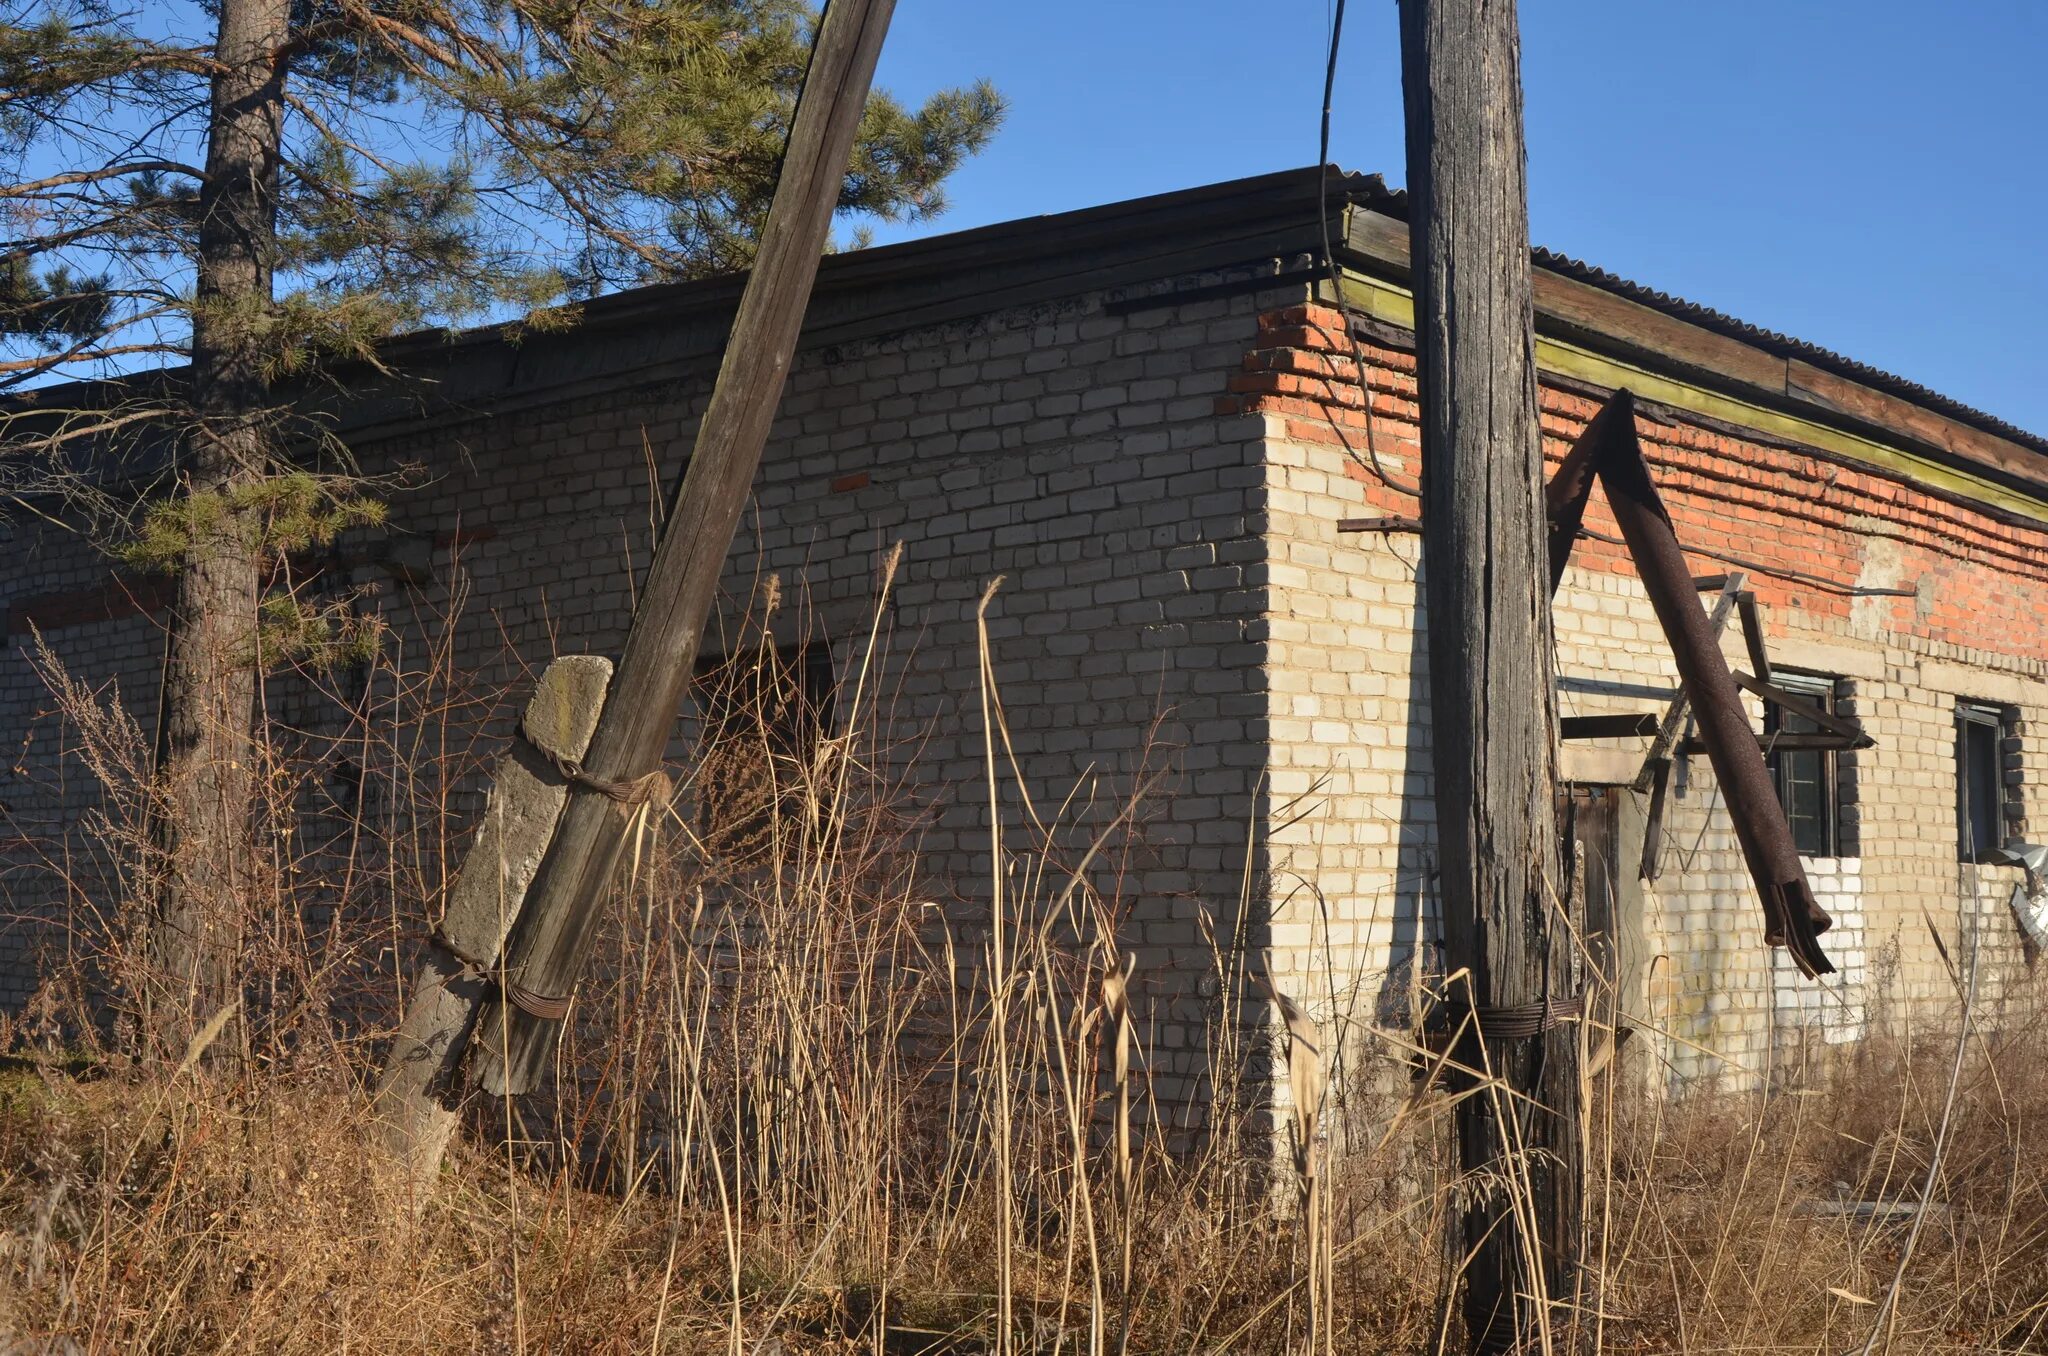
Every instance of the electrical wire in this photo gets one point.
(1772, 571)
(1372, 455)
(1413, 526)
(1371, 460)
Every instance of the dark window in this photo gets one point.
(1805, 777)
(764, 711)
(1980, 808)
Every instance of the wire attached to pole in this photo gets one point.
(1372, 456)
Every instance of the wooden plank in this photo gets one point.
(1839, 395)
(1607, 727)
(1674, 715)
(1381, 239)
(1588, 313)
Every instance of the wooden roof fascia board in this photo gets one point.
(1268, 206)
(1210, 255)
(511, 392)
(464, 375)
(1264, 201)
(1394, 305)
(1282, 278)
(1939, 476)
(1591, 317)
(1369, 193)
(1595, 323)
(1849, 400)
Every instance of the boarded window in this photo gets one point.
(1807, 778)
(764, 711)
(1980, 783)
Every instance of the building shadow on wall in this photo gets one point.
(1415, 946)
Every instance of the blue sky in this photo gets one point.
(1869, 176)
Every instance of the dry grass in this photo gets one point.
(145, 1214)
(808, 1110)
(1729, 1236)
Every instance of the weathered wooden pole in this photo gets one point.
(554, 933)
(1492, 712)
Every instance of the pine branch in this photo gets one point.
(15, 373)
(127, 169)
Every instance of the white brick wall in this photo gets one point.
(1176, 597)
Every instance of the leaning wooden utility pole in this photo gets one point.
(1492, 712)
(553, 936)
(619, 775)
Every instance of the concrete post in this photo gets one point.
(418, 1092)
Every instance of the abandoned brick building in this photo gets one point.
(1148, 420)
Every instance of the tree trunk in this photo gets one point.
(209, 689)
(1492, 711)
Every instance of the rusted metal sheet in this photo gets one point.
(1610, 450)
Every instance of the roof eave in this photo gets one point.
(1693, 343)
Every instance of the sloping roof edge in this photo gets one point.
(1370, 190)
(1283, 200)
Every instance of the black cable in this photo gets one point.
(1372, 456)
(1773, 571)
(1414, 526)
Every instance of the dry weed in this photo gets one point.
(806, 1108)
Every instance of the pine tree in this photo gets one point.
(211, 203)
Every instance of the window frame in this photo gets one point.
(1982, 725)
(1820, 689)
(800, 679)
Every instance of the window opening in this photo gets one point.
(764, 711)
(1806, 777)
(1980, 809)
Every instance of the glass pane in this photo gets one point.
(1977, 782)
(1988, 810)
(1804, 791)
(1805, 777)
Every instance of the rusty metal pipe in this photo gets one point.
(1611, 449)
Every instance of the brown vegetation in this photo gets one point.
(804, 1111)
